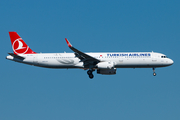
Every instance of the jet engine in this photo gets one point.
(107, 71)
(105, 65)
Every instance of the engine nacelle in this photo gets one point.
(105, 65)
(107, 71)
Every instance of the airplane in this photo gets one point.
(104, 63)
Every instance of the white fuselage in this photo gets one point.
(103, 63)
(120, 59)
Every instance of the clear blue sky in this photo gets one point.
(32, 93)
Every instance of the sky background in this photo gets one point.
(33, 93)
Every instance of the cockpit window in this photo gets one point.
(164, 57)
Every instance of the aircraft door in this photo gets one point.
(120, 59)
(35, 59)
(154, 57)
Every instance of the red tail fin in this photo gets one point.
(18, 45)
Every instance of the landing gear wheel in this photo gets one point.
(154, 74)
(89, 72)
(91, 76)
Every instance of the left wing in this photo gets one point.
(87, 59)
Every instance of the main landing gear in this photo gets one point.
(154, 74)
(89, 72)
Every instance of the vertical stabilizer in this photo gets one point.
(18, 45)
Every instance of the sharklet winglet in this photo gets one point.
(69, 44)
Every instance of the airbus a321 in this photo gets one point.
(103, 63)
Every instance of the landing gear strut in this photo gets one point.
(89, 72)
(154, 74)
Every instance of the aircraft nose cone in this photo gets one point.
(171, 61)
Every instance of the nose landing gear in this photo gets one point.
(154, 74)
(89, 72)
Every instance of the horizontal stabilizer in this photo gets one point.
(16, 56)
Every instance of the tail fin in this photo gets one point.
(18, 45)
